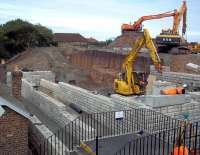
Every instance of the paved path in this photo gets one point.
(110, 145)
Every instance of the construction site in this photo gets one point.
(137, 95)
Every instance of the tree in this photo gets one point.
(17, 35)
(109, 41)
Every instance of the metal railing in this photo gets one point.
(89, 126)
(183, 140)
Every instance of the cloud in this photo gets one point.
(100, 18)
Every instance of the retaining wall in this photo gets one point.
(33, 77)
(190, 111)
(192, 80)
(38, 133)
(86, 100)
(51, 107)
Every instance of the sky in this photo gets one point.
(100, 19)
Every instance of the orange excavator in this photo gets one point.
(168, 40)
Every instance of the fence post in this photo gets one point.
(97, 145)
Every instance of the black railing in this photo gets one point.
(183, 140)
(89, 126)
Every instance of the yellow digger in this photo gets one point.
(128, 81)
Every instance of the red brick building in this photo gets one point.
(13, 129)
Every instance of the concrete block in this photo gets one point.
(193, 67)
(85, 99)
(41, 133)
(35, 76)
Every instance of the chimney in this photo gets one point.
(16, 82)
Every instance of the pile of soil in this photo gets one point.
(125, 40)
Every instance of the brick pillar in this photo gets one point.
(2, 72)
(16, 83)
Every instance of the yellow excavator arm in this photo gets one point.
(125, 84)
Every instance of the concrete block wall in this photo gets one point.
(39, 133)
(87, 100)
(9, 79)
(33, 77)
(92, 103)
(125, 102)
(154, 101)
(51, 107)
(195, 96)
(191, 106)
(181, 78)
(51, 88)
(191, 109)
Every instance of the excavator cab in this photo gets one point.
(129, 82)
(140, 80)
(121, 87)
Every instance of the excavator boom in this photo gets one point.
(177, 15)
(127, 84)
(138, 24)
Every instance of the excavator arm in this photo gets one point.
(182, 13)
(177, 15)
(126, 85)
(138, 24)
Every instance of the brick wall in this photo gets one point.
(13, 133)
(16, 83)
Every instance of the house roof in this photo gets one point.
(92, 40)
(69, 37)
(5, 103)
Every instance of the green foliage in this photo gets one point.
(17, 35)
(108, 41)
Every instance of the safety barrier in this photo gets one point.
(106, 124)
(183, 140)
